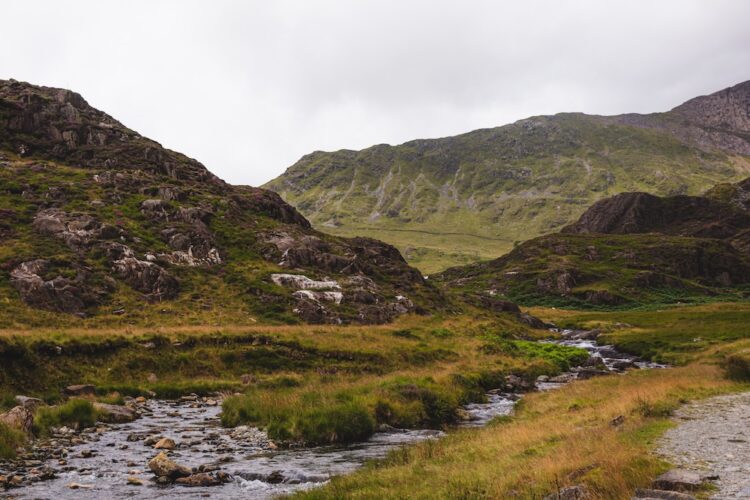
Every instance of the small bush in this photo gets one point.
(656, 408)
(342, 423)
(76, 413)
(442, 333)
(10, 439)
(737, 367)
(312, 418)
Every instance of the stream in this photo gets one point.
(111, 460)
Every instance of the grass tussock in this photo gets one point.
(737, 366)
(10, 440)
(342, 411)
(76, 413)
(549, 443)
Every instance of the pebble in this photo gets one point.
(134, 481)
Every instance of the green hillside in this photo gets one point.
(461, 199)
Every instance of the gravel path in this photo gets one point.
(713, 438)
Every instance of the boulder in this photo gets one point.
(162, 466)
(165, 444)
(29, 403)
(532, 321)
(577, 492)
(19, 418)
(80, 390)
(115, 414)
(588, 372)
(679, 480)
(642, 493)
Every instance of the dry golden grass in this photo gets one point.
(558, 438)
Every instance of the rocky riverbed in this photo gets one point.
(112, 460)
(712, 439)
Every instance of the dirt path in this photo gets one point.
(713, 438)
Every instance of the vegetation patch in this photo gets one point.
(10, 440)
(76, 414)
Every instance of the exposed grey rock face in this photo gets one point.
(147, 277)
(301, 282)
(75, 230)
(58, 293)
(60, 124)
(727, 109)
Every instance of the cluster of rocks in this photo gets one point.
(168, 471)
(312, 296)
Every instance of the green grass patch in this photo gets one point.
(76, 413)
(10, 440)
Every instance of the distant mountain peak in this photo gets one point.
(727, 109)
(471, 196)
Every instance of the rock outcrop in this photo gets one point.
(90, 209)
(59, 124)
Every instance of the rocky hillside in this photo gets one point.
(630, 249)
(459, 199)
(97, 221)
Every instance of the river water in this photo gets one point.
(101, 465)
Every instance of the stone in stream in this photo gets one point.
(162, 466)
(115, 414)
(134, 481)
(165, 444)
(77, 486)
(199, 479)
(679, 480)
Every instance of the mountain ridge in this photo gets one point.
(516, 181)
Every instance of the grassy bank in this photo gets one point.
(566, 437)
(311, 384)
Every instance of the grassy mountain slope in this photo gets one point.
(628, 250)
(470, 197)
(101, 223)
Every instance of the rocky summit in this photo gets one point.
(470, 197)
(97, 220)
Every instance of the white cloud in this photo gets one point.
(249, 87)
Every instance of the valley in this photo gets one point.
(165, 333)
(512, 183)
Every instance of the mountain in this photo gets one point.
(98, 221)
(628, 250)
(460, 199)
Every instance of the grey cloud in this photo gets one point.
(249, 87)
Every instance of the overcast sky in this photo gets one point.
(248, 87)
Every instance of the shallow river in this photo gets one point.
(119, 451)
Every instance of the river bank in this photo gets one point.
(111, 459)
